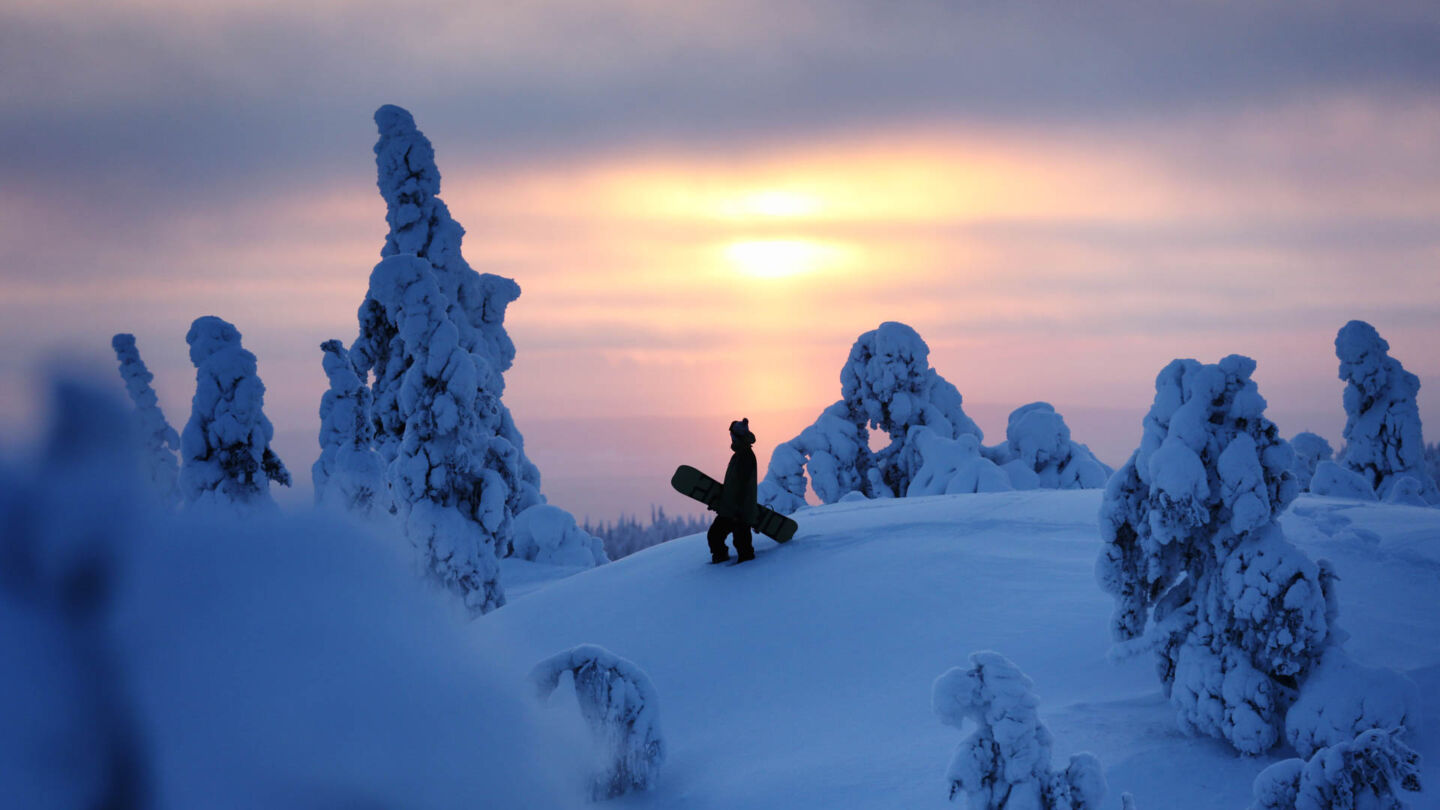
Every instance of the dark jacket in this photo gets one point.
(737, 494)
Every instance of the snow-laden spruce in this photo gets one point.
(621, 710)
(225, 448)
(348, 472)
(886, 384)
(452, 509)
(1310, 450)
(1038, 452)
(1371, 771)
(548, 534)
(1005, 762)
(160, 441)
(1383, 439)
(1192, 545)
(1334, 481)
(421, 225)
(67, 739)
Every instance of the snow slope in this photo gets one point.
(803, 680)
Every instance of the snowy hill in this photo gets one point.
(803, 680)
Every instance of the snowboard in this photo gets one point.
(692, 483)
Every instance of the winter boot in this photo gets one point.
(721, 557)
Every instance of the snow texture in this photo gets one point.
(348, 472)
(225, 450)
(1383, 439)
(886, 384)
(1334, 481)
(952, 466)
(1310, 449)
(452, 508)
(1039, 454)
(159, 440)
(622, 711)
(1005, 762)
(1192, 545)
(1368, 772)
(1343, 698)
(548, 534)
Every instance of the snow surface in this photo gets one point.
(803, 680)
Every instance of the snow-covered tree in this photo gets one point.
(952, 466)
(1432, 461)
(159, 441)
(225, 448)
(1192, 544)
(628, 535)
(421, 225)
(452, 508)
(349, 472)
(1039, 453)
(1370, 772)
(1383, 439)
(1310, 449)
(548, 534)
(1005, 762)
(886, 384)
(622, 711)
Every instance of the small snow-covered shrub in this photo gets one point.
(886, 384)
(225, 447)
(1368, 771)
(1342, 699)
(950, 466)
(1005, 762)
(1334, 481)
(159, 440)
(548, 534)
(1382, 422)
(621, 709)
(1310, 449)
(1192, 544)
(1039, 453)
(348, 472)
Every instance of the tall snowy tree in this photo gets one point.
(1383, 439)
(886, 384)
(348, 472)
(452, 507)
(619, 705)
(225, 448)
(1005, 762)
(159, 441)
(1192, 544)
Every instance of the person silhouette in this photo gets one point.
(735, 509)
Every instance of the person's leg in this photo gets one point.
(715, 537)
(744, 548)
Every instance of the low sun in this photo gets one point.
(779, 258)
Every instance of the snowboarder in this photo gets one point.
(736, 505)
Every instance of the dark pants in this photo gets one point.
(724, 526)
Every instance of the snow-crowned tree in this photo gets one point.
(951, 466)
(1367, 772)
(1005, 763)
(225, 448)
(421, 225)
(1432, 460)
(622, 711)
(349, 472)
(451, 508)
(886, 384)
(68, 740)
(159, 441)
(1310, 449)
(1192, 543)
(548, 534)
(1383, 439)
(1039, 453)
(1334, 481)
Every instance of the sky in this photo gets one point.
(705, 203)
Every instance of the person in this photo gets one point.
(736, 506)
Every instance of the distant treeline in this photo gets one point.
(628, 535)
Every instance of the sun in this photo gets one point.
(782, 258)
